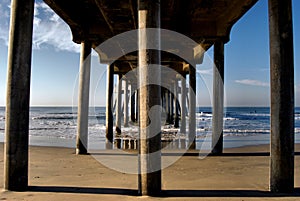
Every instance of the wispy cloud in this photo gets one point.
(205, 72)
(48, 30)
(4, 20)
(253, 82)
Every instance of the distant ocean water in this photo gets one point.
(56, 126)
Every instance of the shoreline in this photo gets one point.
(56, 173)
(99, 143)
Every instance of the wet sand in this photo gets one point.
(241, 174)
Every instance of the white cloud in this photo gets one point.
(48, 30)
(205, 72)
(51, 30)
(253, 82)
(4, 20)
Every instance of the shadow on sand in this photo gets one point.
(171, 193)
(164, 193)
(194, 153)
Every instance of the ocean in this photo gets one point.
(56, 126)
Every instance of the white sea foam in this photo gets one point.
(256, 114)
(62, 124)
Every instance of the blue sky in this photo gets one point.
(55, 61)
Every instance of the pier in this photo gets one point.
(207, 23)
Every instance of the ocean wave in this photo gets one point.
(63, 113)
(97, 126)
(203, 119)
(53, 117)
(45, 129)
(53, 135)
(239, 134)
(65, 117)
(247, 131)
(210, 118)
(203, 114)
(230, 119)
(256, 114)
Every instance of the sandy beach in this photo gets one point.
(241, 174)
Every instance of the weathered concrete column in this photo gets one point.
(192, 107)
(109, 121)
(163, 105)
(183, 105)
(119, 105)
(171, 107)
(132, 104)
(282, 96)
(167, 98)
(83, 98)
(126, 116)
(18, 95)
(176, 120)
(150, 140)
(137, 117)
(218, 98)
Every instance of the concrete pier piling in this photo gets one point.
(83, 98)
(137, 117)
(126, 104)
(167, 104)
(126, 143)
(132, 144)
(132, 105)
(149, 182)
(282, 96)
(218, 99)
(118, 143)
(17, 97)
(183, 105)
(172, 108)
(119, 105)
(176, 114)
(192, 108)
(109, 120)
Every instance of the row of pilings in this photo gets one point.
(125, 105)
(149, 179)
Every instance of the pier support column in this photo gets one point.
(192, 107)
(150, 141)
(167, 98)
(171, 107)
(218, 99)
(282, 96)
(18, 95)
(119, 105)
(83, 98)
(176, 120)
(126, 103)
(132, 103)
(183, 105)
(109, 106)
(137, 117)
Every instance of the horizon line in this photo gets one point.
(105, 106)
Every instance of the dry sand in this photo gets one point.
(57, 174)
